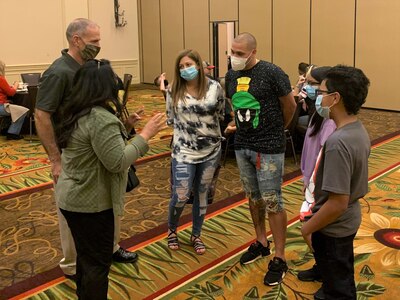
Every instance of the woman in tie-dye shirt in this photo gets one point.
(195, 105)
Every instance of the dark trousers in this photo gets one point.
(93, 235)
(335, 260)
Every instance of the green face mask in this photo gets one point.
(90, 51)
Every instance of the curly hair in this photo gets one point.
(95, 84)
(352, 85)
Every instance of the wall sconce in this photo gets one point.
(119, 17)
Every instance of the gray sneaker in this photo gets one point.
(255, 251)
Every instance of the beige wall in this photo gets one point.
(196, 24)
(35, 36)
(291, 35)
(363, 33)
(172, 41)
(378, 50)
(149, 21)
(259, 22)
(332, 32)
(223, 10)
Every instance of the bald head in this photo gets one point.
(247, 39)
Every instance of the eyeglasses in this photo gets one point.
(320, 92)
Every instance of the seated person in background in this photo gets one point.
(162, 83)
(8, 91)
(208, 69)
(307, 94)
(302, 69)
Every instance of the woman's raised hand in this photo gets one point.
(154, 125)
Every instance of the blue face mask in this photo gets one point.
(189, 73)
(323, 111)
(310, 92)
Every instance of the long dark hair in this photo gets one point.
(315, 123)
(95, 84)
(318, 73)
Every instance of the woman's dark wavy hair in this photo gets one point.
(95, 84)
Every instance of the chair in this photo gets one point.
(227, 143)
(127, 84)
(127, 77)
(32, 91)
(290, 131)
(289, 139)
(31, 78)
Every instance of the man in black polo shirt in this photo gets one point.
(83, 38)
(263, 105)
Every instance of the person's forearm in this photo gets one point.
(45, 130)
(327, 214)
(288, 105)
(288, 113)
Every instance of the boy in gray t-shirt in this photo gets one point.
(341, 180)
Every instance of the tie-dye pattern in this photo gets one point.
(197, 134)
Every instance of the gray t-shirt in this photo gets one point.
(344, 170)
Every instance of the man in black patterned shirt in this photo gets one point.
(264, 105)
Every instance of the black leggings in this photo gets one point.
(93, 235)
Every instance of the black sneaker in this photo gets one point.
(310, 274)
(11, 136)
(277, 269)
(255, 251)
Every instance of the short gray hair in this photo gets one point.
(78, 26)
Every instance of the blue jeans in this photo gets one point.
(261, 175)
(335, 260)
(188, 178)
(16, 126)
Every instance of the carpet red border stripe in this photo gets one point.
(140, 240)
(233, 252)
(208, 266)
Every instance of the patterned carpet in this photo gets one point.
(164, 274)
(24, 164)
(29, 238)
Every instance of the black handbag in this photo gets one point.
(133, 180)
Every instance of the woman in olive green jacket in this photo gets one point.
(95, 160)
